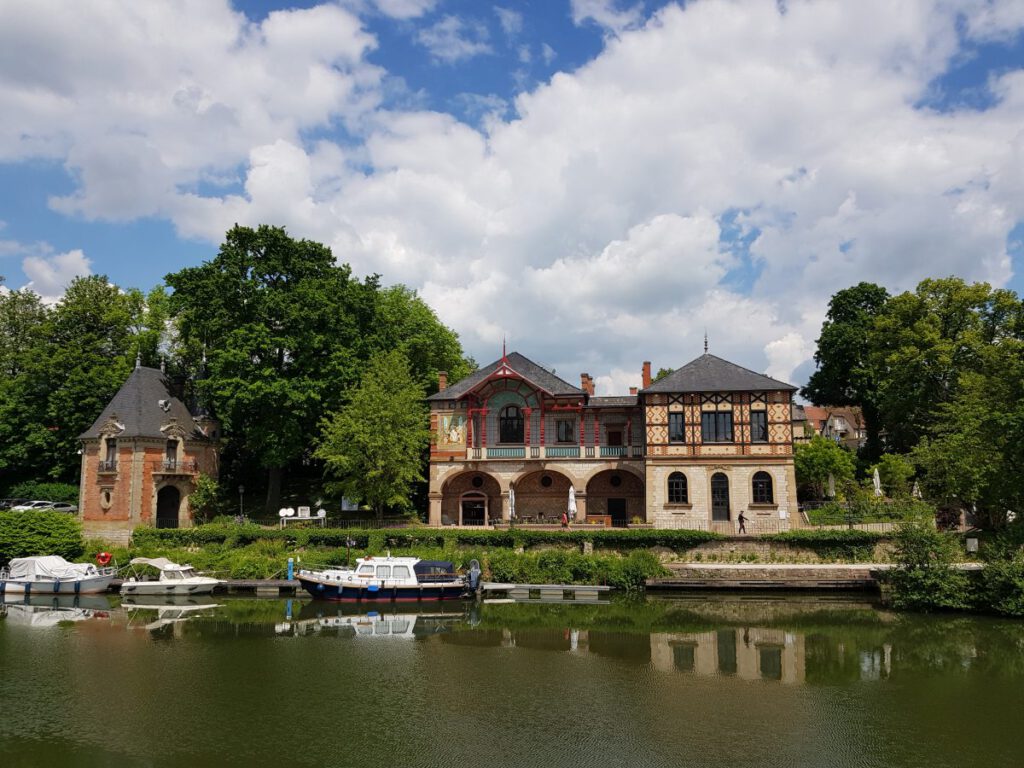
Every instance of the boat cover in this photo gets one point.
(434, 567)
(160, 563)
(48, 567)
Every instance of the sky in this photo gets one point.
(600, 182)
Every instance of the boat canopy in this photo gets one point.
(431, 567)
(48, 567)
(160, 563)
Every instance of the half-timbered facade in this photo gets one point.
(691, 450)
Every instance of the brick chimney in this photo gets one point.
(632, 391)
(647, 373)
(587, 384)
(442, 380)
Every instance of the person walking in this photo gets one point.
(743, 523)
(565, 520)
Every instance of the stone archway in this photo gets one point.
(542, 495)
(168, 507)
(475, 494)
(617, 493)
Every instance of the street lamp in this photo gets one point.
(241, 501)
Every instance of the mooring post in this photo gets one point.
(291, 568)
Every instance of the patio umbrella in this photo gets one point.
(876, 480)
(916, 492)
(511, 503)
(831, 485)
(572, 503)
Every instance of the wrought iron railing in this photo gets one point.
(186, 466)
(108, 465)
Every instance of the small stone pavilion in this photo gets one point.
(141, 457)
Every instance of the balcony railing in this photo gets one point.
(173, 466)
(108, 465)
(610, 451)
(556, 452)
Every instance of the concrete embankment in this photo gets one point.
(852, 576)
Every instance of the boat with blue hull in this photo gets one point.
(390, 579)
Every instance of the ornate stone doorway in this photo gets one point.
(168, 503)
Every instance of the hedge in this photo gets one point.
(23, 534)
(601, 538)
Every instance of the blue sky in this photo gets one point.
(597, 180)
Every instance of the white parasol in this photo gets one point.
(572, 503)
(876, 480)
(916, 492)
(511, 503)
(831, 485)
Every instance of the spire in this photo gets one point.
(705, 340)
(504, 354)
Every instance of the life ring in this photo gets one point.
(103, 558)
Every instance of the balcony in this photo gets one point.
(556, 452)
(107, 466)
(175, 467)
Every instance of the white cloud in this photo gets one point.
(607, 14)
(547, 53)
(588, 226)
(405, 9)
(50, 275)
(453, 39)
(511, 21)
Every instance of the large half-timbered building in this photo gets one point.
(694, 449)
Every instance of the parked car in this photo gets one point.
(30, 506)
(9, 503)
(63, 506)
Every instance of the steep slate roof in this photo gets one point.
(526, 368)
(713, 374)
(137, 407)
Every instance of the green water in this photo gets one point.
(684, 681)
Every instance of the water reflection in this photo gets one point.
(46, 611)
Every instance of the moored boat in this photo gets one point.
(53, 575)
(177, 580)
(390, 579)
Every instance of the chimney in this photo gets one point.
(442, 380)
(647, 373)
(587, 384)
(632, 391)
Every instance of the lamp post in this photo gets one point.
(241, 501)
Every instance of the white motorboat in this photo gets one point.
(53, 575)
(174, 579)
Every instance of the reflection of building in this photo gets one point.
(694, 449)
(141, 457)
(750, 654)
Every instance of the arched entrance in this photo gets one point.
(168, 502)
(618, 494)
(719, 497)
(470, 498)
(542, 497)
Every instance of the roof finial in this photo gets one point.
(138, 359)
(705, 340)
(504, 354)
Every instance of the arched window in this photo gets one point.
(763, 488)
(677, 488)
(510, 424)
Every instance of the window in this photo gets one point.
(111, 449)
(716, 426)
(763, 488)
(677, 488)
(676, 428)
(614, 437)
(383, 571)
(401, 572)
(510, 424)
(366, 570)
(565, 429)
(759, 426)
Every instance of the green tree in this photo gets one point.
(816, 460)
(845, 374)
(662, 373)
(372, 447)
(284, 330)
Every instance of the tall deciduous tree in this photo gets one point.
(845, 375)
(283, 328)
(816, 460)
(372, 447)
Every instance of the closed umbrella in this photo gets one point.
(916, 493)
(572, 503)
(511, 503)
(831, 485)
(876, 480)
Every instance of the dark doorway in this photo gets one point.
(474, 509)
(168, 501)
(719, 497)
(617, 510)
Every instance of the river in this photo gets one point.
(688, 680)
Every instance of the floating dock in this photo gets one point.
(544, 593)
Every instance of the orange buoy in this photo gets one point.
(103, 558)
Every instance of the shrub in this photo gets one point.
(1002, 585)
(833, 543)
(925, 577)
(32, 489)
(23, 534)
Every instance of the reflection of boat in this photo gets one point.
(53, 575)
(389, 578)
(170, 612)
(49, 611)
(372, 624)
(174, 579)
